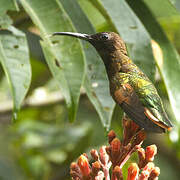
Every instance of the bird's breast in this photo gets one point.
(116, 81)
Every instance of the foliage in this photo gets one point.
(41, 141)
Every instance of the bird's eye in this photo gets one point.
(104, 36)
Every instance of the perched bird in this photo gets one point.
(129, 86)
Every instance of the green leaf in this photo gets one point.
(166, 11)
(170, 65)
(93, 14)
(96, 82)
(8, 5)
(176, 3)
(58, 74)
(14, 57)
(5, 21)
(65, 56)
(132, 32)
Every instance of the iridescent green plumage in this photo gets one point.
(147, 95)
(129, 86)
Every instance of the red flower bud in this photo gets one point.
(104, 157)
(144, 175)
(115, 149)
(108, 150)
(146, 171)
(111, 136)
(151, 151)
(95, 168)
(149, 167)
(94, 154)
(154, 174)
(75, 171)
(100, 176)
(74, 166)
(117, 173)
(141, 155)
(115, 145)
(133, 172)
(84, 154)
(127, 132)
(84, 165)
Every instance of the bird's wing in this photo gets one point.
(128, 99)
(151, 101)
(155, 111)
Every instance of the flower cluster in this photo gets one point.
(116, 155)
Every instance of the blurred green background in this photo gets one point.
(62, 75)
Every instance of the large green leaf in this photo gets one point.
(96, 83)
(94, 15)
(49, 17)
(166, 10)
(14, 57)
(169, 66)
(131, 30)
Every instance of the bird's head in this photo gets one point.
(106, 43)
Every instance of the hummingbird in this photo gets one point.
(130, 88)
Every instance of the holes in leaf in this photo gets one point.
(93, 94)
(55, 42)
(133, 27)
(57, 63)
(16, 46)
(93, 76)
(95, 84)
(107, 108)
(90, 67)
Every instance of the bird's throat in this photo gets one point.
(115, 62)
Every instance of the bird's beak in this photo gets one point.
(77, 35)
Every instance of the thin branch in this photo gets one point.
(34, 101)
